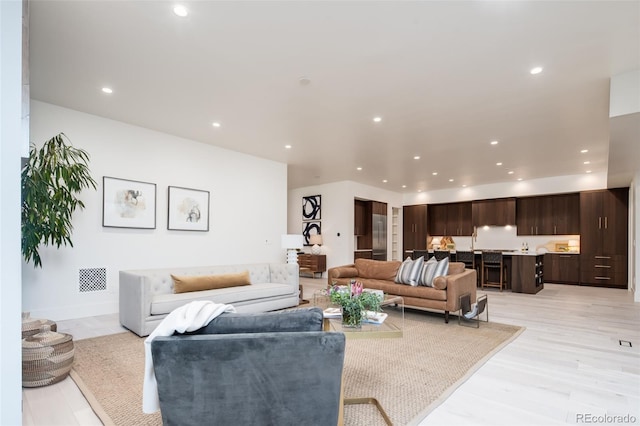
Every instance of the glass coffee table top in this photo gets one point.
(391, 327)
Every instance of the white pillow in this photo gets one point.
(409, 271)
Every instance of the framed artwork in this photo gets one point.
(311, 207)
(128, 203)
(309, 229)
(188, 209)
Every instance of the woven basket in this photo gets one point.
(31, 326)
(47, 358)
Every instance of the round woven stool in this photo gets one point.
(47, 357)
(31, 326)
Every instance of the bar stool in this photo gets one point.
(441, 254)
(492, 260)
(469, 260)
(421, 253)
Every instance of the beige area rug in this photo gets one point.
(409, 376)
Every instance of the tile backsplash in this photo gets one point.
(506, 238)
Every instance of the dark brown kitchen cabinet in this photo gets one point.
(527, 273)
(548, 215)
(562, 268)
(362, 215)
(451, 219)
(494, 212)
(604, 237)
(414, 227)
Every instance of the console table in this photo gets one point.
(312, 263)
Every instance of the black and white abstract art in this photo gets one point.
(311, 207)
(309, 229)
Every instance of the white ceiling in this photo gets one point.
(446, 78)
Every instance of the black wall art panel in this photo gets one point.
(309, 229)
(311, 208)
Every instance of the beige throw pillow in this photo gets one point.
(183, 284)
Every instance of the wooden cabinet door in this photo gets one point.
(437, 219)
(591, 209)
(566, 211)
(495, 212)
(414, 227)
(360, 217)
(526, 216)
(459, 219)
(615, 221)
(562, 268)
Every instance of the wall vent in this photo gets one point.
(92, 279)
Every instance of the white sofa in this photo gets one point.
(146, 296)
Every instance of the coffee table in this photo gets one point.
(390, 328)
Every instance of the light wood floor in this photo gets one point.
(567, 364)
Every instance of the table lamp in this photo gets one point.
(292, 242)
(316, 240)
(435, 243)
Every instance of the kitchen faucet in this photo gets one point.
(474, 237)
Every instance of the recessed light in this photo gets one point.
(464, 186)
(519, 179)
(536, 70)
(377, 119)
(450, 180)
(498, 164)
(419, 190)
(215, 124)
(404, 186)
(287, 146)
(180, 10)
(435, 173)
(494, 142)
(417, 157)
(510, 172)
(587, 162)
(384, 181)
(358, 168)
(584, 151)
(107, 90)
(588, 171)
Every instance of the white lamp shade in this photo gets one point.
(435, 242)
(292, 241)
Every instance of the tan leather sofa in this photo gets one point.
(377, 274)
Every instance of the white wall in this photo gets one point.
(10, 142)
(624, 95)
(247, 211)
(337, 216)
(634, 236)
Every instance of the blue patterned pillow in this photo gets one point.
(409, 271)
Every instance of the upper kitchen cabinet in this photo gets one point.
(548, 215)
(494, 212)
(414, 224)
(604, 237)
(451, 219)
(362, 217)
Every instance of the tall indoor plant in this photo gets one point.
(51, 180)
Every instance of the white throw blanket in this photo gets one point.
(190, 317)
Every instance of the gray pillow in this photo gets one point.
(409, 271)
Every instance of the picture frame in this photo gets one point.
(128, 203)
(311, 208)
(188, 209)
(309, 229)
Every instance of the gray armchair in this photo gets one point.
(274, 368)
